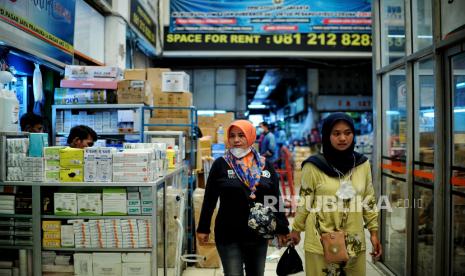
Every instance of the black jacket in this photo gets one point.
(231, 221)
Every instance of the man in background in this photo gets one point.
(81, 137)
(268, 147)
(31, 122)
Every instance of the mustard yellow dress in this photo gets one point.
(318, 206)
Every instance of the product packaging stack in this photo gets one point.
(158, 151)
(98, 164)
(51, 235)
(208, 250)
(52, 163)
(115, 264)
(16, 152)
(132, 166)
(71, 165)
(299, 155)
(86, 85)
(170, 89)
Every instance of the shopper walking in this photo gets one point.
(268, 146)
(338, 175)
(240, 178)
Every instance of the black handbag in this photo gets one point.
(262, 220)
(289, 263)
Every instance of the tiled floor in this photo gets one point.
(271, 262)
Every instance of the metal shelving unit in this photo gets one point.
(159, 194)
(193, 124)
(96, 107)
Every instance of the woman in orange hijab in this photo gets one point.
(240, 179)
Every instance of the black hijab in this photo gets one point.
(331, 157)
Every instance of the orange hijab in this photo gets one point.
(247, 128)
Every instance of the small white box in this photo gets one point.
(82, 264)
(67, 236)
(175, 82)
(65, 204)
(106, 264)
(136, 269)
(89, 204)
(136, 257)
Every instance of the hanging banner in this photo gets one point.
(267, 43)
(270, 16)
(50, 22)
(141, 20)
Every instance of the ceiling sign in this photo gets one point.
(343, 103)
(270, 16)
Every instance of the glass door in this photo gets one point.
(457, 179)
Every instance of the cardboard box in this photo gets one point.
(172, 100)
(51, 225)
(89, 84)
(114, 202)
(83, 96)
(175, 82)
(154, 76)
(133, 92)
(171, 121)
(135, 74)
(205, 142)
(206, 121)
(209, 131)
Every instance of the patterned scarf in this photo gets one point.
(248, 169)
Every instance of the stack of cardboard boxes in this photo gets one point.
(300, 154)
(166, 89)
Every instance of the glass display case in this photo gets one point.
(394, 132)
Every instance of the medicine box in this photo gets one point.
(89, 204)
(65, 204)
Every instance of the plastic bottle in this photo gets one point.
(9, 111)
(220, 135)
(171, 157)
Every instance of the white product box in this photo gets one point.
(131, 157)
(82, 264)
(133, 202)
(114, 202)
(67, 236)
(136, 257)
(106, 264)
(79, 72)
(134, 210)
(133, 195)
(175, 82)
(131, 167)
(65, 204)
(114, 121)
(89, 204)
(131, 177)
(136, 269)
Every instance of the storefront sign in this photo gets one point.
(343, 103)
(50, 21)
(270, 16)
(141, 20)
(330, 42)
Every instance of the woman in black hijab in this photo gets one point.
(339, 174)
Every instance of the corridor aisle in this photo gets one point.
(272, 261)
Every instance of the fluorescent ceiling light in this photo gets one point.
(396, 36)
(392, 112)
(428, 114)
(460, 85)
(257, 106)
(209, 112)
(459, 110)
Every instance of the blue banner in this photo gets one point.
(49, 22)
(270, 16)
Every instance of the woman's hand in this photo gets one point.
(294, 236)
(282, 240)
(203, 237)
(377, 248)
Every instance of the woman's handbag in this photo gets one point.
(289, 263)
(262, 220)
(334, 243)
(334, 247)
